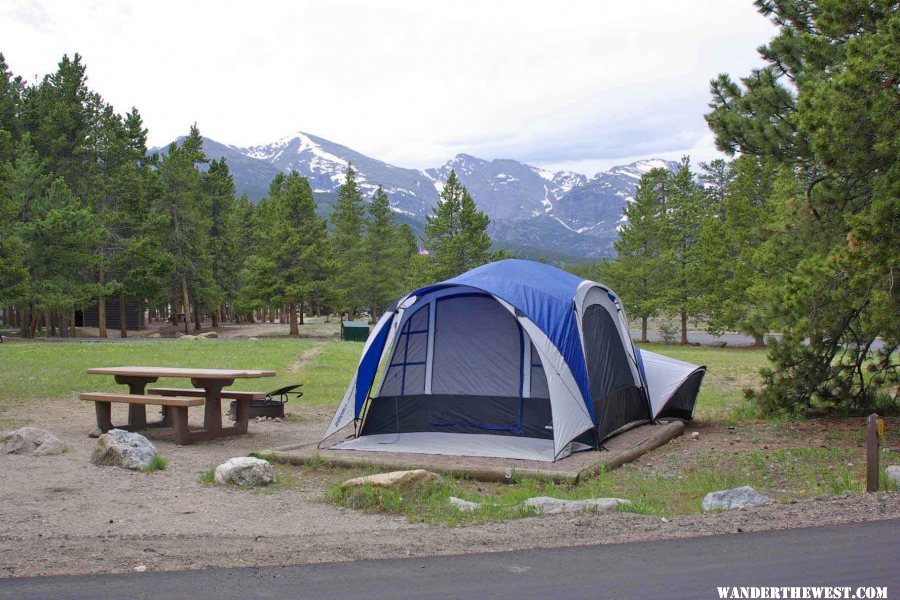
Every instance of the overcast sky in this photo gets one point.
(559, 84)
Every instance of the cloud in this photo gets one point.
(409, 82)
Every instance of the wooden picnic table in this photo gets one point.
(174, 408)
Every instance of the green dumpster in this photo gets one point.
(354, 331)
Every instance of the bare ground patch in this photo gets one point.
(62, 515)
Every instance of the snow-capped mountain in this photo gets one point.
(562, 216)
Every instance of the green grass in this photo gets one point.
(787, 475)
(208, 477)
(158, 463)
(57, 370)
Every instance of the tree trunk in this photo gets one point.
(23, 322)
(684, 320)
(295, 330)
(198, 318)
(64, 323)
(759, 340)
(216, 314)
(644, 330)
(101, 305)
(50, 323)
(186, 302)
(32, 326)
(123, 327)
(300, 310)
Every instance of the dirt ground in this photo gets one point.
(63, 515)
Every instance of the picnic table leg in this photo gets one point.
(179, 416)
(212, 416)
(242, 415)
(104, 415)
(137, 413)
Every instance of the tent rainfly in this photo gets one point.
(513, 359)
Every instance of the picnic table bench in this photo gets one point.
(208, 392)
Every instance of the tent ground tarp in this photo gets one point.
(458, 444)
(620, 449)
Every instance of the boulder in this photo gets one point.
(125, 449)
(742, 497)
(209, 335)
(187, 337)
(31, 441)
(245, 471)
(394, 479)
(892, 474)
(465, 505)
(155, 335)
(551, 506)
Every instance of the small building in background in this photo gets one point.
(354, 331)
(90, 317)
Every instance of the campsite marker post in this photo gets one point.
(873, 425)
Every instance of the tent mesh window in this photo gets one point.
(617, 400)
(478, 367)
(406, 371)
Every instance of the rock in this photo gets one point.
(187, 337)
(154, 335)
(742, 497)
(140, 568)
(120, 448)
(552, 506)
(695, 435)
(31, 441)
(892, 474)
(209, 335)
(394, 479)
(465, 505)
(246, 471)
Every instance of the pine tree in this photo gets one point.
(347, 245)
(740, 194)
(387, 255)
(686, 208)
(11, 90)
(183, 202)
(62, 235)
(637, 273)
(825, 109)
(297, 247)
(456, 234)
(224, 246)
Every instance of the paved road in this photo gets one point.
(863, 554)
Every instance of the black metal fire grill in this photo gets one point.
(272, 405)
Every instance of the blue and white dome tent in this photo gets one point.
(513, 359)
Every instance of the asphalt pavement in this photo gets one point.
(864, 554)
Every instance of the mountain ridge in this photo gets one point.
(534, 212)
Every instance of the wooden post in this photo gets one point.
(872, 470)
